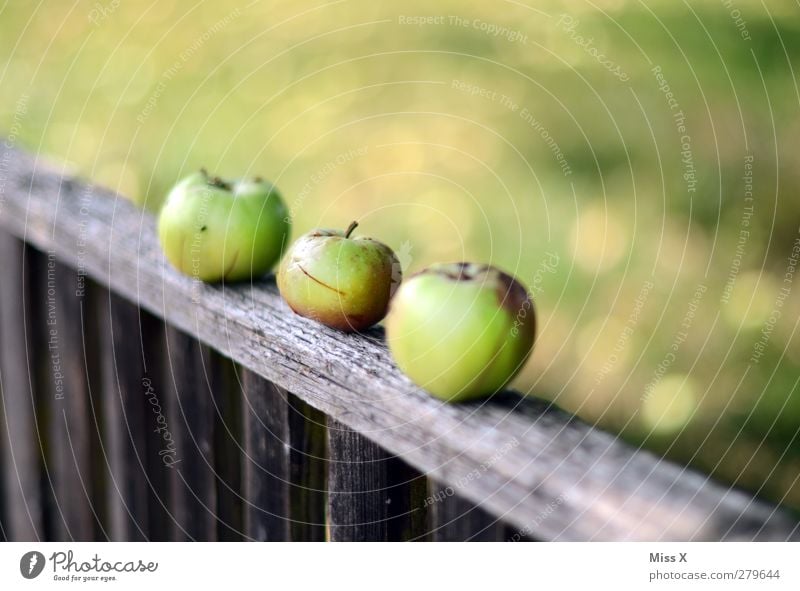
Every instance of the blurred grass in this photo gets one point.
(355, 115)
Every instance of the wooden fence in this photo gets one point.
(138, 404)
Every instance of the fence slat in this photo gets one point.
(153, 398)
(41, 367)
(191, 423)
(285, 466)
(4, 514)
(308, 469)
(72, 432)
(266, 465)
(228, 445)
(4, 454)
(23, 463)
(372, 495)
(408, 513)
(124, 436)
(92, 325)
(357, 487)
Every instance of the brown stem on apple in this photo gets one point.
(353, 225)
(219, 183)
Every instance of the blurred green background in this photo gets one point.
(536, 136)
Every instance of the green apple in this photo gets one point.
(216, 230)
(461, 330)
(338, 280)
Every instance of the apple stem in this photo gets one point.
(219, 183)
(353, 225)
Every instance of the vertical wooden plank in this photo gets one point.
(228, 446)
(193, 497)
(408, 511)
(67, 374)
(357, 484)
(22, 464)
(41, 362)
(454, 519)
(4, 516)
(158, 440)
(308, 471)
(285, 468)
(133, 344)
(358, 500)
(91, 296)
(4, 453)
(373, 496)
(124, 437)
(266, 465)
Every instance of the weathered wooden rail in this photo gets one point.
(138, 404)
